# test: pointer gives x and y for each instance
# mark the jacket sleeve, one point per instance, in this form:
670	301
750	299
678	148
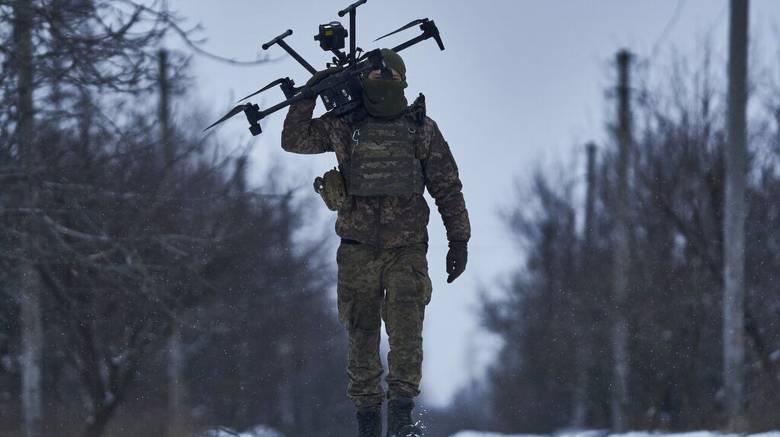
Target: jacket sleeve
304	134
443	183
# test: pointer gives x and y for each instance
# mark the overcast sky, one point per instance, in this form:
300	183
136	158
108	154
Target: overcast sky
520	84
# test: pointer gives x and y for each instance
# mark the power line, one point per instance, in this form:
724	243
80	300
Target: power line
673	19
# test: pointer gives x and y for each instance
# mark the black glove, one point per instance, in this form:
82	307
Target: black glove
456	259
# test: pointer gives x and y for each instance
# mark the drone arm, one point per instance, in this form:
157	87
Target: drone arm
254	114
410	43
280	40
352	35
297	57
352	11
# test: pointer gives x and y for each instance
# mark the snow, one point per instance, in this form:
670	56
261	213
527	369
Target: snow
693	434
605	434
490	434
265	431
258	431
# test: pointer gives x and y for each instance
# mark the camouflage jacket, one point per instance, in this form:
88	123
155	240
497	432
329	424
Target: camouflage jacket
384	221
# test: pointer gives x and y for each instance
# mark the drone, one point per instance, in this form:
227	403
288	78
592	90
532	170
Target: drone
341	91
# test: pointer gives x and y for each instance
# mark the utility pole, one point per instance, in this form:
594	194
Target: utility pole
176	387
620	252
30	282
169	152
734	218
590	196
584	323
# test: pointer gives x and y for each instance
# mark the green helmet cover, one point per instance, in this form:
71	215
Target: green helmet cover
385	98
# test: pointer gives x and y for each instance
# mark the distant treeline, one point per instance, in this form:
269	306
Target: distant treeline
554	318
145	288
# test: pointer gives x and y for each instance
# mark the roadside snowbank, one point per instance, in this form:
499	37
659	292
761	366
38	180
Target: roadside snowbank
489	434
258	431
628	434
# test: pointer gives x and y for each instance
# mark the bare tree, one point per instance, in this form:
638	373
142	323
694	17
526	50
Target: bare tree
675	309
78	45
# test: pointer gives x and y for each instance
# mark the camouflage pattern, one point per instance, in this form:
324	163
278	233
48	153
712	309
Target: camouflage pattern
331	188
383	271
385	221
383	159
392	284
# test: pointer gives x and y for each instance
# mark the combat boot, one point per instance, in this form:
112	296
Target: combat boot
399	418
369	422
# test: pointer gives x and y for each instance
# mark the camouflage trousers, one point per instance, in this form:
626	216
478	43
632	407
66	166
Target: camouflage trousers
392	284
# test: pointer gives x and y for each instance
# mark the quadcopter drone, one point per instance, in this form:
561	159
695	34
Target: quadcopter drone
341	91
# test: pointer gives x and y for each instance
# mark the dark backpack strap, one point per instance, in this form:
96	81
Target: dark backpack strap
415	115
416	111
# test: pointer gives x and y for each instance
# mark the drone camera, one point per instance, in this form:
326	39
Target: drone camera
331	36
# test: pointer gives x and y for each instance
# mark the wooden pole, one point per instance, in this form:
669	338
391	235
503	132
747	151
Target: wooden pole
734	218
30	283
169	152
620	252
583	301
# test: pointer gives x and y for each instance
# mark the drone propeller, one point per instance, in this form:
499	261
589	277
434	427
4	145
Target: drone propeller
270	85
237	110
412	24
287	88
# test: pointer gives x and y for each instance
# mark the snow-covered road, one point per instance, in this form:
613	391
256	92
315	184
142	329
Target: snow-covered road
604	434
263	431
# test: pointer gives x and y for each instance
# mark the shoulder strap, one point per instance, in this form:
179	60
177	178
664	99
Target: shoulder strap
416	111
415	116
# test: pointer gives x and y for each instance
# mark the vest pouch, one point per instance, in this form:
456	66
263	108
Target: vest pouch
331	189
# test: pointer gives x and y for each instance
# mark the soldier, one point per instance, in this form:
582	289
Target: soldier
387	159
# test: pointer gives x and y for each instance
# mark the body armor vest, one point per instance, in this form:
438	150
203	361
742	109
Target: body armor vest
383	158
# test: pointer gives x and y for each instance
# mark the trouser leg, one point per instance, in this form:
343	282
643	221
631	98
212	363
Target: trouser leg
359	301
408	291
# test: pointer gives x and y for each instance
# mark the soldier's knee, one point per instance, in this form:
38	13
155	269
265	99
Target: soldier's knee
359	311
366	319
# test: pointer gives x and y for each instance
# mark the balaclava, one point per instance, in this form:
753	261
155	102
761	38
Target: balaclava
385	97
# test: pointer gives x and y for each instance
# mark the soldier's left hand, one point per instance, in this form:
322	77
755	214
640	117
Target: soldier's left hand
456	259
